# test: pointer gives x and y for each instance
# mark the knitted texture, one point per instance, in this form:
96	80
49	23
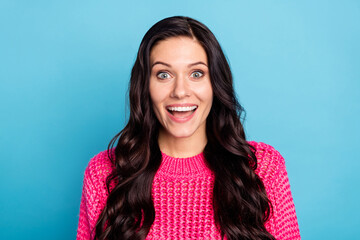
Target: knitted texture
182	195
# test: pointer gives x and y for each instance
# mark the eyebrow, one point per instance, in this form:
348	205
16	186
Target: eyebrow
168	65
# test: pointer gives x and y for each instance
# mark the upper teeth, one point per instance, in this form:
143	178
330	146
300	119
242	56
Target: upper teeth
182	109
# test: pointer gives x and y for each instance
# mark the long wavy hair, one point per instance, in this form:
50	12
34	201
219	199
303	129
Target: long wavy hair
240	203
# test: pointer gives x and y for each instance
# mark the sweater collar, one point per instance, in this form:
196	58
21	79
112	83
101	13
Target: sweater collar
189	166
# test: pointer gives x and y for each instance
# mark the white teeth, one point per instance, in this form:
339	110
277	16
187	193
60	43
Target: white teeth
182	109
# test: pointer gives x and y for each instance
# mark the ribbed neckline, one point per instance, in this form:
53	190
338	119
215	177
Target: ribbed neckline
183	166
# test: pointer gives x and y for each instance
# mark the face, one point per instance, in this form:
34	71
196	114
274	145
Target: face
180	87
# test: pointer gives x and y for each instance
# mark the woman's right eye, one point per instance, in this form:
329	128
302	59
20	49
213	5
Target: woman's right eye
163	75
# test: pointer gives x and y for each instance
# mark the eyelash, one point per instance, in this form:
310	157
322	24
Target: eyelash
159	73
196	71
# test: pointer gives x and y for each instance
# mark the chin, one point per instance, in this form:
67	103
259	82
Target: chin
181	134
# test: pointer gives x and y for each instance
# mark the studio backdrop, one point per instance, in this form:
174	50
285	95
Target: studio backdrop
64	72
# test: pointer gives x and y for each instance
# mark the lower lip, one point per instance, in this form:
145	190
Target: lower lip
180	120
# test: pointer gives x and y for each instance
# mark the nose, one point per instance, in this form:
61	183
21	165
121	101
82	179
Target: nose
180	88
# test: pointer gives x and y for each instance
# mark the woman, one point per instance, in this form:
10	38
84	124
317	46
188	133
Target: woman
182	168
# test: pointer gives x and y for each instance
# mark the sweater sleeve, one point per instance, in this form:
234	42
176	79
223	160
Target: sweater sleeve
283	220
94	195
282	223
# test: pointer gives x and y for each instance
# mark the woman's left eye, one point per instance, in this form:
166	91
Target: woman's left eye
197	74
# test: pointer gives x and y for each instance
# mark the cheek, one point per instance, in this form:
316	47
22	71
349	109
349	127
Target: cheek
153	93
156	110
205	93
156	98
154	88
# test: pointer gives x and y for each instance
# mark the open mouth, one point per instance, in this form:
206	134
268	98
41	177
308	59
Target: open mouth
181	112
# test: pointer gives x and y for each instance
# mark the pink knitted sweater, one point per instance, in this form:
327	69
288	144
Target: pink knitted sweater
182	195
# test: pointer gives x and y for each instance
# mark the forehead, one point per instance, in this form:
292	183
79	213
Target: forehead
178	50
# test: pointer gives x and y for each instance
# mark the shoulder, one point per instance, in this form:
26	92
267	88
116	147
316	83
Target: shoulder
94	193
100	166
269	161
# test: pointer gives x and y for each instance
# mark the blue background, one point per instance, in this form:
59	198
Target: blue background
64	70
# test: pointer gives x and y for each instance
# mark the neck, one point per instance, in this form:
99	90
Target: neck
181	147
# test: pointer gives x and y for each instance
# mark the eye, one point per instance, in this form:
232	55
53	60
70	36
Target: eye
197	74
163	75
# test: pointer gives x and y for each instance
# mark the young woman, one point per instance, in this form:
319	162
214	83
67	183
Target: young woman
182	168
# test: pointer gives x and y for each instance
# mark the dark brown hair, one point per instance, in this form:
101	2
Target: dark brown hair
241	206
